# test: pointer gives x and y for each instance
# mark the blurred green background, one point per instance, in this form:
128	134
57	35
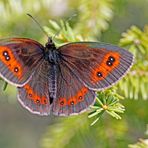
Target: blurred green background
101	20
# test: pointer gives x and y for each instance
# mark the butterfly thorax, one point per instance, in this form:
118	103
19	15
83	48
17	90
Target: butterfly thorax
51	54
53	57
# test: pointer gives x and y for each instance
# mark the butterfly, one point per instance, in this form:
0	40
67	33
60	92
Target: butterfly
62	81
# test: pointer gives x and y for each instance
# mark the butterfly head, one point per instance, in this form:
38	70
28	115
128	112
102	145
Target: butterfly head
50	45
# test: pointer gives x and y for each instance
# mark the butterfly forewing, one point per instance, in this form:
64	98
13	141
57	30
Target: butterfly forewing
19	57
97	65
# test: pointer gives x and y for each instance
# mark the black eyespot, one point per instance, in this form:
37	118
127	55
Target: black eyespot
109	63
5	53
37	101
30	95
16	69
45	101
72	102
62	103
99	74
7	58
111	59
80	97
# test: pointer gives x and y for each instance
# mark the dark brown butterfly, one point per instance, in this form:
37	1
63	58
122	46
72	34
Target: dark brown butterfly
61	80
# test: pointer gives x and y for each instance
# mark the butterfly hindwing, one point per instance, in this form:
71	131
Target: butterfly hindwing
72	96
35	95
19	57
97	65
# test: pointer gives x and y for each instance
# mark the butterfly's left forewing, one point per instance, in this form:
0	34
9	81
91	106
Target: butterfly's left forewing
97	65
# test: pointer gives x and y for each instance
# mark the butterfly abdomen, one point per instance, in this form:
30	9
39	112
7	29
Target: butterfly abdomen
52	83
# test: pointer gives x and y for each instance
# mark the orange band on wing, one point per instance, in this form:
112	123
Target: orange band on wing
34	96
74	99
110	61
7	57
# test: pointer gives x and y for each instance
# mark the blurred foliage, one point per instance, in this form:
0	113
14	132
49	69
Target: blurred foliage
146	130
62	33
70	21
143	143
91	14
137	42
102	13
73	124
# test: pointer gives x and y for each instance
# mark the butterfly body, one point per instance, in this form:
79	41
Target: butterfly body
61	80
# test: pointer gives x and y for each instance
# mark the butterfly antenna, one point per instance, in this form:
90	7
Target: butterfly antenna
68	19
38	24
